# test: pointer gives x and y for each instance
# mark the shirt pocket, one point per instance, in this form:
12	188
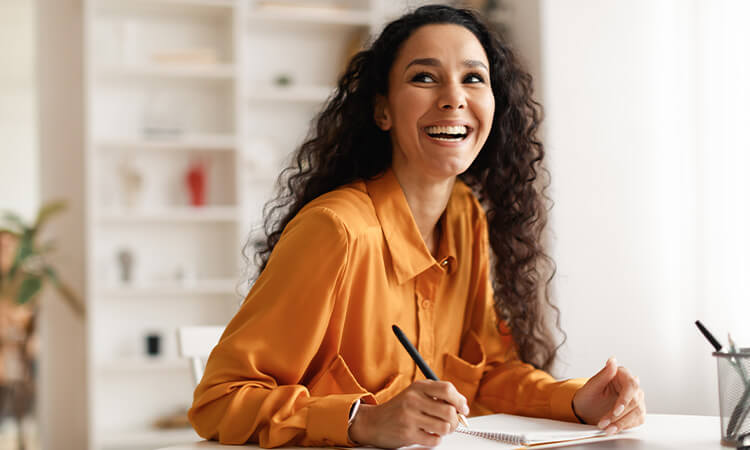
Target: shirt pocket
465	371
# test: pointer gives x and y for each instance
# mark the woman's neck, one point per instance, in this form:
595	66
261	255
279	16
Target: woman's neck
427	200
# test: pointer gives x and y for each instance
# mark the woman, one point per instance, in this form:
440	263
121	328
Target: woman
414	202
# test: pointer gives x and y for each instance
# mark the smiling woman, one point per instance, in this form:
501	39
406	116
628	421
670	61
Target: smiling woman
415	202
439	112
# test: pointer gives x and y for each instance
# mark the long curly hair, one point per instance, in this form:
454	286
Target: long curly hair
344	144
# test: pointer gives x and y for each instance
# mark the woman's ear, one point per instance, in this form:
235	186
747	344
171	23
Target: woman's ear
381	115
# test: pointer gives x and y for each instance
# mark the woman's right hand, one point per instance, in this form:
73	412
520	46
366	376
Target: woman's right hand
420	415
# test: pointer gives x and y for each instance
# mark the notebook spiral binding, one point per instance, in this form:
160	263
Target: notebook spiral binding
507	438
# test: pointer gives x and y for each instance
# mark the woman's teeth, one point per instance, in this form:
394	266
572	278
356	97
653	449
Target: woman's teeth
449	134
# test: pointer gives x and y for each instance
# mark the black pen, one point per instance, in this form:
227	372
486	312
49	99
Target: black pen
708	335
428	373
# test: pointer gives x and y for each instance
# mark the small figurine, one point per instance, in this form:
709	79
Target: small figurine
125	260
132	183
283	80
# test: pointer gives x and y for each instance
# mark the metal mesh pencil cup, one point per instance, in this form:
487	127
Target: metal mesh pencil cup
733	369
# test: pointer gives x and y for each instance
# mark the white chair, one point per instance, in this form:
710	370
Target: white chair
196	343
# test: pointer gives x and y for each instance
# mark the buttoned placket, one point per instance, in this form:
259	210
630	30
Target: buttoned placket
426	288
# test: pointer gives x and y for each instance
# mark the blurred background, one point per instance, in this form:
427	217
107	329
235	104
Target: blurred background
162	124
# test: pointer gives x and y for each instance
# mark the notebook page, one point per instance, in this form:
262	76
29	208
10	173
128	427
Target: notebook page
532	430
460	441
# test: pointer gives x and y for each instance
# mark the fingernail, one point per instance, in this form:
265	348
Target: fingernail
465	410
619	410
603	424
611	430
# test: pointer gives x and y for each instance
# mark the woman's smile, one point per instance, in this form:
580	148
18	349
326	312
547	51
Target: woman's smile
448	133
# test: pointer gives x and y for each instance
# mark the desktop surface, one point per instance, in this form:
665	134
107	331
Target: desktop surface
660	432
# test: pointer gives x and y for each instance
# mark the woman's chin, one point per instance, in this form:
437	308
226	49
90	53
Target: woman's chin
448	170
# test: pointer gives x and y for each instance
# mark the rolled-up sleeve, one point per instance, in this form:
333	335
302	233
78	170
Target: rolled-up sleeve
252	387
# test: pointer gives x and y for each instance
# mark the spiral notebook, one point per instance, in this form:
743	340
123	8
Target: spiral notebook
521	432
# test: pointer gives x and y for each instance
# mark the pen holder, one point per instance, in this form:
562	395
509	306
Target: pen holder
734	395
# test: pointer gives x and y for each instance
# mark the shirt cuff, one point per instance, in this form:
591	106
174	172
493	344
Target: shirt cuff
328	419
561	402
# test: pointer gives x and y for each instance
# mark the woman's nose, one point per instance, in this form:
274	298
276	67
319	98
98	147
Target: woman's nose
452	97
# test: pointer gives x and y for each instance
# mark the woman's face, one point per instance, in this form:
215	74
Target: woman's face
440	105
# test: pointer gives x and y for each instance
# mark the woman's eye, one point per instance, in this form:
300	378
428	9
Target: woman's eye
474	78
423	77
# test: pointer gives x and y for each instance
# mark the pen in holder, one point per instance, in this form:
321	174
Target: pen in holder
733	369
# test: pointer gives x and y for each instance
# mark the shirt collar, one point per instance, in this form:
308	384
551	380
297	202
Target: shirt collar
409	253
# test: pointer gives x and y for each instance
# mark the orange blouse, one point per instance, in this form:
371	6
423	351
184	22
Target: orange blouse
314	334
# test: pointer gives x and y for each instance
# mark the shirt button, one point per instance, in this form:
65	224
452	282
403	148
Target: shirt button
444	263
426	303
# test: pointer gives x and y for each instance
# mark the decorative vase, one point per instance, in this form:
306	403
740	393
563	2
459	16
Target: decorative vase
196	183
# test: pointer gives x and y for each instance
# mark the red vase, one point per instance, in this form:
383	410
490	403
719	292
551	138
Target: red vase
196	183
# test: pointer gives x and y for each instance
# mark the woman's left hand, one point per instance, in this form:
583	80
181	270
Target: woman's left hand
612	399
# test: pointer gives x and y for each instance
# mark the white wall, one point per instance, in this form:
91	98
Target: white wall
637	209
722	47
18	153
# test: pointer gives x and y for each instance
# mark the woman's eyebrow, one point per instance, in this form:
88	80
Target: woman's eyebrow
423	62
436	63
475	63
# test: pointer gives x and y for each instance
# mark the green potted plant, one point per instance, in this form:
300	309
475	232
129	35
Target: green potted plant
24	271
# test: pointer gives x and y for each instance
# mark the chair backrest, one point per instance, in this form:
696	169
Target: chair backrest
196	343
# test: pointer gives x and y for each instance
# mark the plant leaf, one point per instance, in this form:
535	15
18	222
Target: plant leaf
29	287
50	272
10	231
47	211
14	219
13	223
65	291
24	251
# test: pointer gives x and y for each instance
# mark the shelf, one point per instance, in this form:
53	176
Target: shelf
172	288
182	71
311	15
185	214
209	8
306	94
127	365
183	143
153	438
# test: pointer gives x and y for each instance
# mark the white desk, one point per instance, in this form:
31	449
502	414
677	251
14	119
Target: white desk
660	432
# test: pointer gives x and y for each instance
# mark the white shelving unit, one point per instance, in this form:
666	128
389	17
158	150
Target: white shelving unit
172	84
163	96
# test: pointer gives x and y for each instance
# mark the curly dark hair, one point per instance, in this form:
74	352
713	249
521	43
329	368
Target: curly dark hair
345	145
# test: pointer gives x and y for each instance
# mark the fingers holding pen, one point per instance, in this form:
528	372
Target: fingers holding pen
420	414
445	392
